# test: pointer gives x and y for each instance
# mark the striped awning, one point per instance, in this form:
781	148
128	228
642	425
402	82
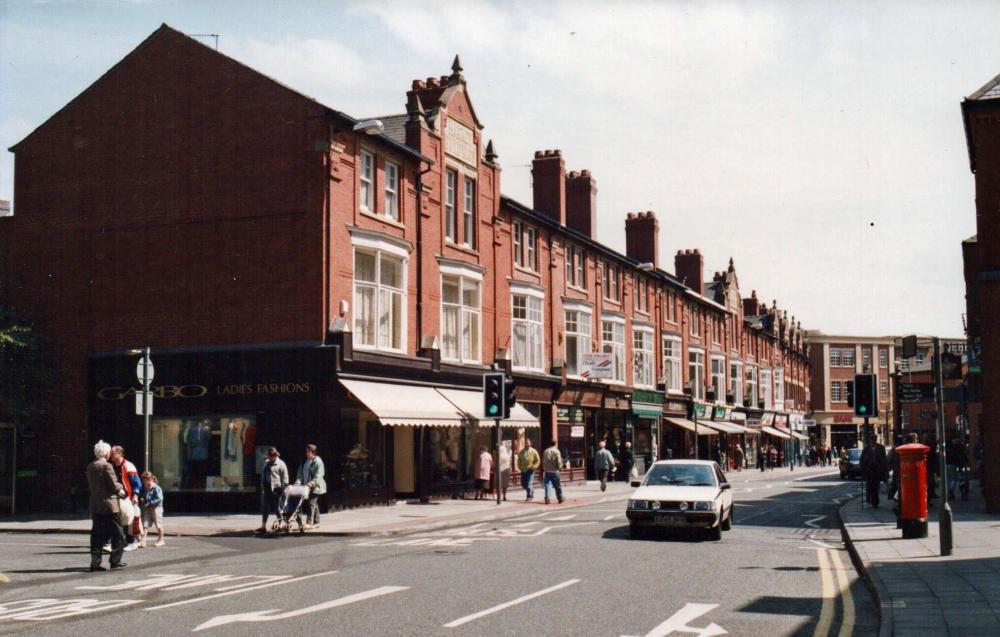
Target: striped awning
775	432
683	423
471	404
399	405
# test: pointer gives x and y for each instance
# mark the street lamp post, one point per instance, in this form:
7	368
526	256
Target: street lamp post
944	515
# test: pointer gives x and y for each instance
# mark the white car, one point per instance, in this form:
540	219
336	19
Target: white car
682	494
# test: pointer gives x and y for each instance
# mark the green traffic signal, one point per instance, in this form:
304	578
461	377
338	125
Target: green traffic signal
493	410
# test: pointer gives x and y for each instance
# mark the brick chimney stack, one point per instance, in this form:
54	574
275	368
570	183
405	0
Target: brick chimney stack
581	203
548	174
642	237
690	268
751	306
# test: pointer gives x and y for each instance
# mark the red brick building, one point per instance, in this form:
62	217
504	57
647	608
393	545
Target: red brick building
981	115
301	275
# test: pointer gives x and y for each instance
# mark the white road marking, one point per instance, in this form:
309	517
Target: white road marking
269	616
523	525
242	589
812	522
50	608
612	516
827	609
818	543
678	623
847	624
170	582
563	518
3	578
514	602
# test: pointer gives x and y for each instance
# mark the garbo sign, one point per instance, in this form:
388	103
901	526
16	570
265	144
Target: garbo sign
198	391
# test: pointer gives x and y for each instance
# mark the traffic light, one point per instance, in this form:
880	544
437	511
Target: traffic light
493	386
865	395
849	392
509	386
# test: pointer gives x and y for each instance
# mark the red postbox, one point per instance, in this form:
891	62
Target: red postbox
913	489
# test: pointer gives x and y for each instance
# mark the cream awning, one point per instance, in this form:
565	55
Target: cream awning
737	428
405	405
775	432
683	423
470	403
725	427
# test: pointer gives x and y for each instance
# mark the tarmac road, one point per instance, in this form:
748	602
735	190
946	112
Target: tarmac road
781	571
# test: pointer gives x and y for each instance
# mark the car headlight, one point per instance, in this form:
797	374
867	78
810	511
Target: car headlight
638	504
703	506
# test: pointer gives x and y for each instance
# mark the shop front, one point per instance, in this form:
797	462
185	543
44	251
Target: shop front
647	409
676	430
613	425
576	415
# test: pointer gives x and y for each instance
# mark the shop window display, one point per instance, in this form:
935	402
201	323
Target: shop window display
446	454
361	464
215	453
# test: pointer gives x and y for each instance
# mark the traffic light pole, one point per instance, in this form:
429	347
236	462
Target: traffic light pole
498	469
146	400
944	514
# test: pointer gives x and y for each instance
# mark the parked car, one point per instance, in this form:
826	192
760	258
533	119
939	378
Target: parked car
850	467
676	494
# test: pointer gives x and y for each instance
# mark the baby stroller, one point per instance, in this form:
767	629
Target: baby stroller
290	508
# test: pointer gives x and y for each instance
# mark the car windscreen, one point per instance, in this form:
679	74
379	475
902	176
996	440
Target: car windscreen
687	475
854	455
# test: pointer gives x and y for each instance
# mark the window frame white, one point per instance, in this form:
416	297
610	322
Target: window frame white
718	377
834	357
673	381
366	181
766	387
466	315
531	248
399	329
517	230
883	358
450	205
836	395
391	191
736	380
696	372
534	329
779	388
752	384
469	212
614	345
643	362
580	335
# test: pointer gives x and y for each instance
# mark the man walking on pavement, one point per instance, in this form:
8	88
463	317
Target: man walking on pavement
104	494
551	464
874	467
604	464
627	461
527	462
312	473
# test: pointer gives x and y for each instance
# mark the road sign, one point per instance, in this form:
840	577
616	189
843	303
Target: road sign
597	365
916	392
139	369
139	411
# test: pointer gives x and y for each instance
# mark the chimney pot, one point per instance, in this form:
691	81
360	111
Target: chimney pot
642	237
539	154
690	268
549	185
416	85
443	79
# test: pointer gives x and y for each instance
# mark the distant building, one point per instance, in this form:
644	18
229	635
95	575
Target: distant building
981	116
834	360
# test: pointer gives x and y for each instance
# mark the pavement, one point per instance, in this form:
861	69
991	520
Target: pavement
394	519
919	591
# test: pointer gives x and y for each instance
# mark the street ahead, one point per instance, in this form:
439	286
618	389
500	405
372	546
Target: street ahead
780	571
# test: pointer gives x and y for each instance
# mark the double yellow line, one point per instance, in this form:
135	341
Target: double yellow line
830	565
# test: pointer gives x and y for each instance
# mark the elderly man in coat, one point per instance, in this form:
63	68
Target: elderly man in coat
312	473
105	491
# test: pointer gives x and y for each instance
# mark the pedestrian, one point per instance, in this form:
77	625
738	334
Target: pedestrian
151	506
481	472
772	455
626	462
892	460
312	473
874	467
105	493
604	464
762	457
738	457
503	459
273	480
551	464
133	485
527	463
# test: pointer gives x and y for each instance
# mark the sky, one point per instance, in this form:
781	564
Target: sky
817	144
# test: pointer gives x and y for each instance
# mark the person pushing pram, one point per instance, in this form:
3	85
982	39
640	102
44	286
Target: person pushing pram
312	475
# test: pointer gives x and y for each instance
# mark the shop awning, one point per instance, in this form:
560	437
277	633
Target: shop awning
647	410
727	427
683	423
405	405
799	435
708	428
737	428
775	432
470	403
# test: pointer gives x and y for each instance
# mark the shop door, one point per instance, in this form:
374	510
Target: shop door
8	456
403	475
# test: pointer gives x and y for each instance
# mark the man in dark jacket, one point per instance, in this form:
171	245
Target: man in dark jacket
104	494
874	467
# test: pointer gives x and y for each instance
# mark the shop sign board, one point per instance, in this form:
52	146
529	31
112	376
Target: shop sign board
648	397
675	406
767	419
843	418
576	431
139	410
719	413
916	392
701	410
597	365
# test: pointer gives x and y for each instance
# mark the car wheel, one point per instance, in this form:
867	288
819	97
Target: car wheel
727	523
715	533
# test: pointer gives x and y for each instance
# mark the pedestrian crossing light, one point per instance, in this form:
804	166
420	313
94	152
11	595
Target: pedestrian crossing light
493	386
509	388
865	396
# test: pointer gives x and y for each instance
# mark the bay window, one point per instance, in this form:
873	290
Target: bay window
460	318
765	388
751	394
578	339
672	378
719	378
642	356
736	381
527	329
779	388
613	342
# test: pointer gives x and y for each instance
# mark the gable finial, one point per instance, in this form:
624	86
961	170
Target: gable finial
491	154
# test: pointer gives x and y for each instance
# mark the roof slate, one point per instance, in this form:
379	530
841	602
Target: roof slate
988	91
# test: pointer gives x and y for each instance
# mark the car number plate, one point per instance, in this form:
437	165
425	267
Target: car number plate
670	520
